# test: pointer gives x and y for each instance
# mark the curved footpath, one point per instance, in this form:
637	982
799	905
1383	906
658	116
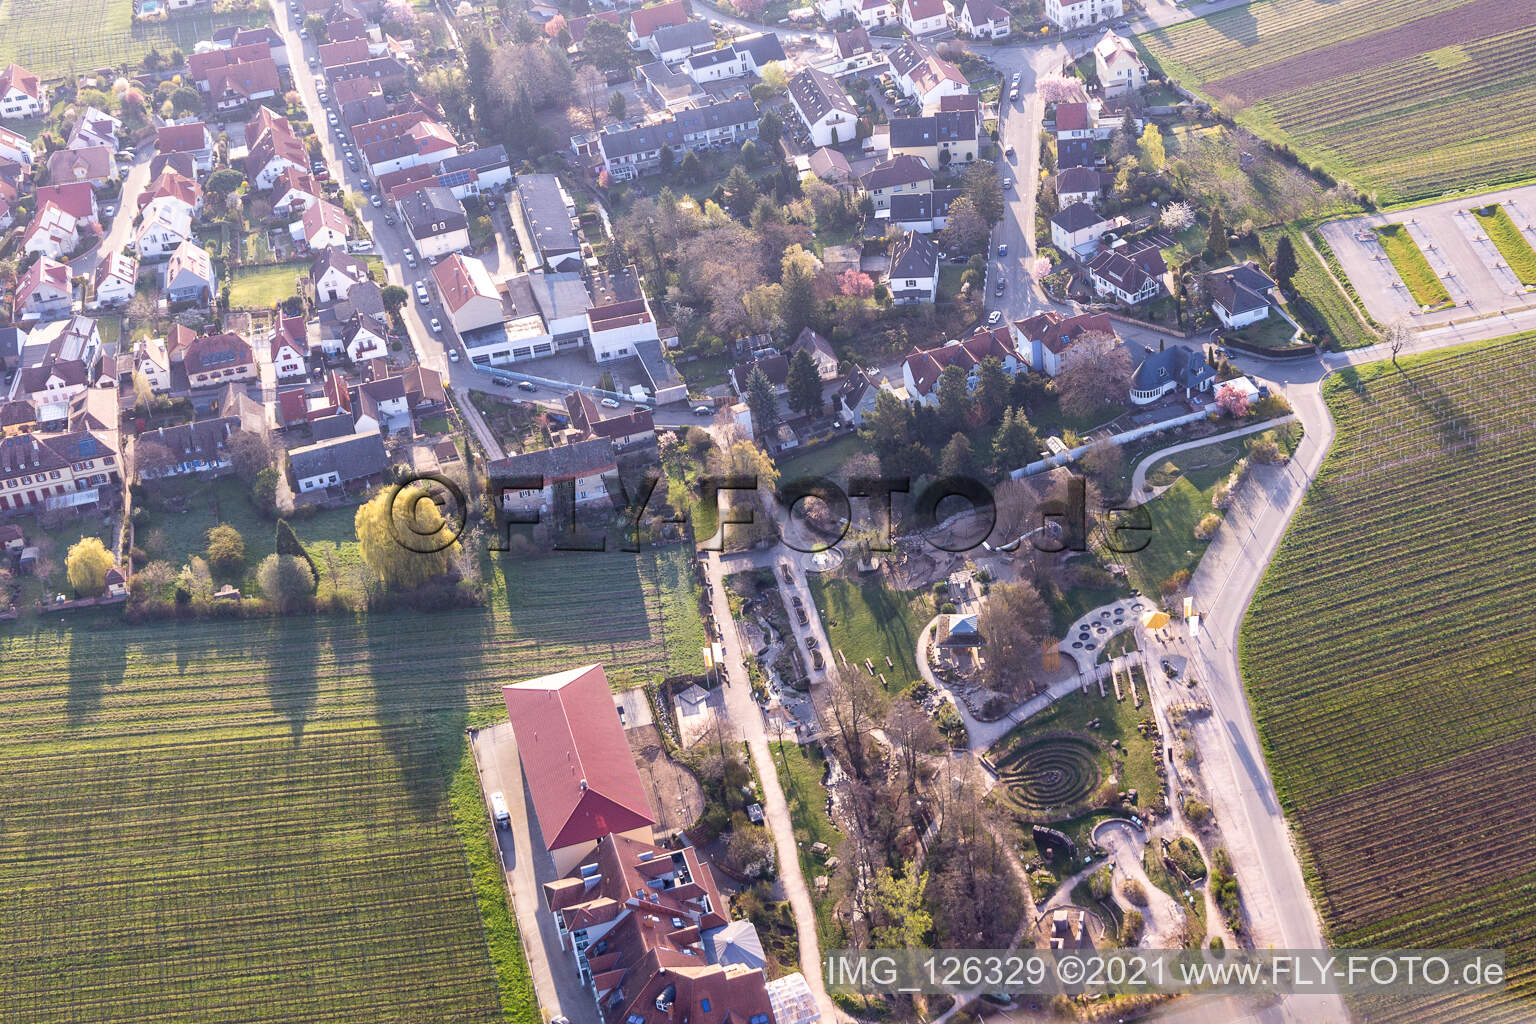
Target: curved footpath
1139	494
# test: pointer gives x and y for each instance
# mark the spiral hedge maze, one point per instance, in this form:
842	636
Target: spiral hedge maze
1051	776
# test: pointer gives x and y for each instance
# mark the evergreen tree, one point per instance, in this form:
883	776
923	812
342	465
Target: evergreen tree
692	168
992	385
1216	240
797	300
1015	444
665	159
761	400
954	397
1285	261
957	459
804	385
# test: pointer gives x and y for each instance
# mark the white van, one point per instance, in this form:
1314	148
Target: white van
499	811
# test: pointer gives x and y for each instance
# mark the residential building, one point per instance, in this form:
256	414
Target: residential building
827	112
923	212
1119	66
44	291
548	481
52	232
757	50
202	65
900	175
545	218
1073	121
1067	14
95	127
189	275
856	397
199	448
469	295
173	185
380	405
1078	185
289	347
390	73
1045	338
1169	370
272	147
938	140
981	19
673	43
645	22
424	143
774	366
1130	274
212	360
14	148
323	225
114	281
914	270
1076	229
852	53
333	273
619	319
52	470
96	165
921	369
344	461
517	330
576	760
831	167
21	93
356	326
436	221
1240	295
625	428
233	86
294	191
924	76
152	358
868	13
820	351
627	152
924	17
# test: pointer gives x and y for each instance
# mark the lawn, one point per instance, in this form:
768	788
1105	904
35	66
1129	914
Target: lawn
1403	97
682	625
800	773
825	459
48	37
871	621
1512	245
1389	675
1423	284
269	818
265	287
1323	306
1274	331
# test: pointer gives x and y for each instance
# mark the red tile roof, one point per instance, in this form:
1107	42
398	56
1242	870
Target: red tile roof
1071	117
181	138
17	77
648	19
74	197
577	761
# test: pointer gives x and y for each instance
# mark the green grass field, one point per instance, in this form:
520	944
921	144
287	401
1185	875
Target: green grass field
1323	307
267	820
1403	97
867	620
1511	243
1387	653
1418	276
799	770
48	37
265	287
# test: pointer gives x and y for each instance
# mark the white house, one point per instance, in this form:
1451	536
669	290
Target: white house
914	270
435	220
1078	185
1129	276
852	54
921	369
114	279
824	108
323	226
189	275
856	397
1078	228
579	470
924	76
95	128
616	329
290	343
44	291
21	94
294	192
922	17
1240	295
1077	13
981	19
14	148
167	222
362	339
337	461
192	138
333	273
151	359
1119	66
1043	340
53	232
468	293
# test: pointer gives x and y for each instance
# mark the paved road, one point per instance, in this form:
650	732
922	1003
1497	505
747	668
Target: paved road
748	718
527	866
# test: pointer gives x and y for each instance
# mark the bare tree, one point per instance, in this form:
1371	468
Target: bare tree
914	734
1399	334
854	700
592	87
1013	619
1095	372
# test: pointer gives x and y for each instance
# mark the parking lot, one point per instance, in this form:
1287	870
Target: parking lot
1457	249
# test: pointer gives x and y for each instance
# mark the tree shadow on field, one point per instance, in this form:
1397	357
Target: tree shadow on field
292	656
1456	427
418	663
98	658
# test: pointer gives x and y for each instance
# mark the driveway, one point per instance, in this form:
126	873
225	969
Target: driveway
526	867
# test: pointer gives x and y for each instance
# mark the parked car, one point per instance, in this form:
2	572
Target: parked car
1007	184
421	292
999	288
994	318
789	577
110	210
1010	152
609	403
374	200
389	218
437	326
499	811
453	355
526	385
366	185
410	260
958	257
702	410
1002	249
